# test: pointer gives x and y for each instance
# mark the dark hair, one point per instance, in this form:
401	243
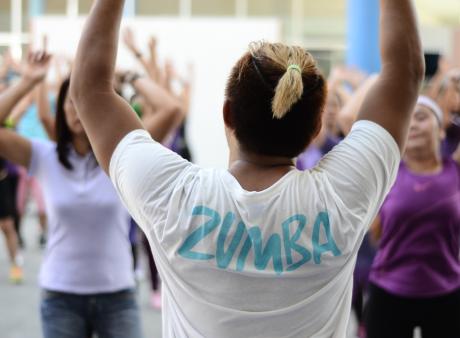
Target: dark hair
63	134
276	97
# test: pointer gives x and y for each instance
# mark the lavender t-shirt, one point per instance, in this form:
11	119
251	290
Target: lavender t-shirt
88	249
419	249
310	157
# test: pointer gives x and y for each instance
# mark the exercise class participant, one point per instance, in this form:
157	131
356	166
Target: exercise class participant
260	249
86	275
415	277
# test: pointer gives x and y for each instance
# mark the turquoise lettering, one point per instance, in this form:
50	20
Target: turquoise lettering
296	254
319	249
225	257
290	243
243	254
261	255
200	233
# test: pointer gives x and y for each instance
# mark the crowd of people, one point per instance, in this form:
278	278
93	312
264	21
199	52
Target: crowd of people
341	193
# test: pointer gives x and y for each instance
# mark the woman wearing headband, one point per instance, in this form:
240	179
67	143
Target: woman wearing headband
260	249
415	277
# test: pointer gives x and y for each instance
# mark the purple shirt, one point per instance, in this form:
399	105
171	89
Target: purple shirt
450	143
419	249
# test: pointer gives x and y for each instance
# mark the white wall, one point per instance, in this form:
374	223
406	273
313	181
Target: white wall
212	45
437	39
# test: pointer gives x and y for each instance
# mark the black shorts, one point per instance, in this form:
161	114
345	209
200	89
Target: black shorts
7	195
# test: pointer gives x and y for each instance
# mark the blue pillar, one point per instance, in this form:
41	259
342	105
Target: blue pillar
36	7
130	8
363	35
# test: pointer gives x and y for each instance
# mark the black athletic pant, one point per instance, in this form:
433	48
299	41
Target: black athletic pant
388	315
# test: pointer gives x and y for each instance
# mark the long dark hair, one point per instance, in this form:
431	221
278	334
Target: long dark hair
63	134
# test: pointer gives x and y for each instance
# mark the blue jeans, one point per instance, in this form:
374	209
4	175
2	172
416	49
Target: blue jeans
111	315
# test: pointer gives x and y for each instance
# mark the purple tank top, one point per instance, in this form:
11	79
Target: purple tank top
450	143
419	249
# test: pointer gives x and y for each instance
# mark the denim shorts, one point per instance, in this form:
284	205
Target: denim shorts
109	315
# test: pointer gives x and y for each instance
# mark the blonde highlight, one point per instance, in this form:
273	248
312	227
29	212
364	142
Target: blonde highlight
296	62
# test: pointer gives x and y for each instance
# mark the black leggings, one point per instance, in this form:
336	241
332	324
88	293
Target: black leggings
388	315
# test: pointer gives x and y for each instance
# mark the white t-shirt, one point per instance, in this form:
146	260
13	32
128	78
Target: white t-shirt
276	263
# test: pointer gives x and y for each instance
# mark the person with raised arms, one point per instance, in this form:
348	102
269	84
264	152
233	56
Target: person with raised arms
260	249
415	277
86	277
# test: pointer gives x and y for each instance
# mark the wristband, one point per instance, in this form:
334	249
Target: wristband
9	123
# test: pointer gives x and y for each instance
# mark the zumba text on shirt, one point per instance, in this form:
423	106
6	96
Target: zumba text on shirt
252	240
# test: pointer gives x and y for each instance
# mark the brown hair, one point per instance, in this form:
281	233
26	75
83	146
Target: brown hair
63	134
276	95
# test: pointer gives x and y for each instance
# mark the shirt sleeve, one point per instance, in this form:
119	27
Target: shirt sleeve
362	169
40	157
146	175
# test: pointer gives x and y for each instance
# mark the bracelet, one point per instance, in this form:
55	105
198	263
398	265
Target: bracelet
9	123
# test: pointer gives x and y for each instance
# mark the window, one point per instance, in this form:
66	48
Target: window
55	7
5	16
84	6
213	7
25	16
269	8
318	9
149	7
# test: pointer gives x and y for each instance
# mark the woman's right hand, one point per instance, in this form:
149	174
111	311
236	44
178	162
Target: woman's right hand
13	147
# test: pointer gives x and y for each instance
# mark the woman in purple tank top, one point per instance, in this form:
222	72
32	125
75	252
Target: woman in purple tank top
415	278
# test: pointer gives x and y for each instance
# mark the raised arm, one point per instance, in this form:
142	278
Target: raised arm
130	43
12	146
44	110
168	110
349	112
391	100
19	110
106	117
33	72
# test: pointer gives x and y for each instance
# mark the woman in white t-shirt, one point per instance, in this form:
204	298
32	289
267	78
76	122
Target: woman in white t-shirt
260	249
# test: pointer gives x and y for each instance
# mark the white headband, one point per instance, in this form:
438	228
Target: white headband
433	106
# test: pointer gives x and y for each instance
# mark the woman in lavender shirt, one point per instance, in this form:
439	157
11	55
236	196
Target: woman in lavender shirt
416	273
86	276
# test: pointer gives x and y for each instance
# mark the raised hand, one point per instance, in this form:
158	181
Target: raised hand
153	47
130	42
10	62
36	66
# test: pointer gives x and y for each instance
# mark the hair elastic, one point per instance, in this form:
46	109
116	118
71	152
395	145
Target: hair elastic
295	67
9	123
